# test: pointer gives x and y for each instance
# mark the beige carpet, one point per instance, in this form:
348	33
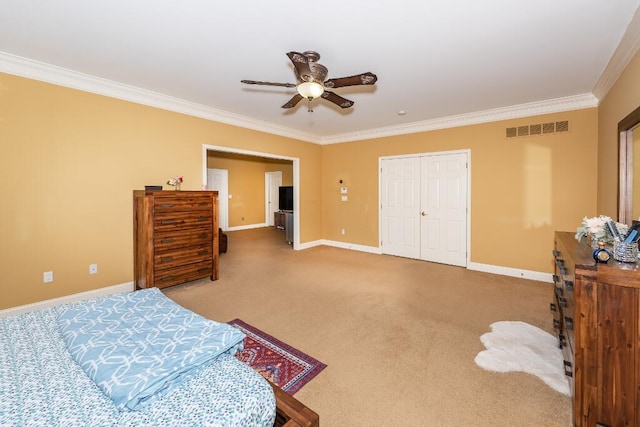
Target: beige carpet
399	336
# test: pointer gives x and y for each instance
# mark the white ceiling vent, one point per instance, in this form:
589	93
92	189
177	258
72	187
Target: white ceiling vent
538	129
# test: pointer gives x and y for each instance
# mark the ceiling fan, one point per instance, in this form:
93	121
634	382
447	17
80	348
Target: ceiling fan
311	81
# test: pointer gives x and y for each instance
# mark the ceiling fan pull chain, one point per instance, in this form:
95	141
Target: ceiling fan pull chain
309	109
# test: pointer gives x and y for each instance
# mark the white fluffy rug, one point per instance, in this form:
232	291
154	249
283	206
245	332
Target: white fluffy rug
519	346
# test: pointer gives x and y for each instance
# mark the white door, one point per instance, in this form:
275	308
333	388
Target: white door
400	202
218	180
424	207
443	199
273	181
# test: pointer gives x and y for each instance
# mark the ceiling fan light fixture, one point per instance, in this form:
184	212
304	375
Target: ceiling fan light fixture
310	90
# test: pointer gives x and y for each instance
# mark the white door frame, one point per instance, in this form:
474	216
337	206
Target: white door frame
468	219
296	179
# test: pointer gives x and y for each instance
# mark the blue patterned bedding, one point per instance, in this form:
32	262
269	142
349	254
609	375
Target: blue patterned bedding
139	345
41	384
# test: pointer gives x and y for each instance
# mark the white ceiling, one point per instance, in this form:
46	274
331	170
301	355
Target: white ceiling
442	62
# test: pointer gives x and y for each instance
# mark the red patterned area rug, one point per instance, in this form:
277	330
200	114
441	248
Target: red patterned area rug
278	362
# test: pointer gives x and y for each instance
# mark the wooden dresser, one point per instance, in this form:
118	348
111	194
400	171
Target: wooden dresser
175	237
597	318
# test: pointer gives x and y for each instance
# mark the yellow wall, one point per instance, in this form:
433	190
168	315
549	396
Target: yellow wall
246	176
522	189
70	160
622	99
69	163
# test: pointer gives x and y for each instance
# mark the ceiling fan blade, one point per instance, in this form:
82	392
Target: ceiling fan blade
337	99
253	82
301	64
293	101
367	78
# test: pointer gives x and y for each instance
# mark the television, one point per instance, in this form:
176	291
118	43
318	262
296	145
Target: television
285	198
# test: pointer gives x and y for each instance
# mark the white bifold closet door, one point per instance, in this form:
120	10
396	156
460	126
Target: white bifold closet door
424	207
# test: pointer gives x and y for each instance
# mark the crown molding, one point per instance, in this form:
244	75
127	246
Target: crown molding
41	71
556	105
624	53
24	67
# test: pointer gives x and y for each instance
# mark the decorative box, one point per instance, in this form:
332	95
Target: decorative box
625	252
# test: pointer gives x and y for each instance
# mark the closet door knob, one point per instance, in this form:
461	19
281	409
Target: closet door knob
423	213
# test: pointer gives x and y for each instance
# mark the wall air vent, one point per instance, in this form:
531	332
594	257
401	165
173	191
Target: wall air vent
523	130
562	126
538	129
535	130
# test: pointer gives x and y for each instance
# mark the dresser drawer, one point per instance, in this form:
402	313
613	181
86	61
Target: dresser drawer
563	309
176	203
173	258
182	220
177	239
183	273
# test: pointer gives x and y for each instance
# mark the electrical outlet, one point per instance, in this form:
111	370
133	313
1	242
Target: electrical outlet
93	269
47	276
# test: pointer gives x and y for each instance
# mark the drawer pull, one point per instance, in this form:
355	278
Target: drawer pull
560	263
556	278
167	221
556	253
166	259
203	270
166	205
562	340
167	278
568	369
556	324
203	218
203	203
569	285
203	235
562	270
568	321
563	301
167	240
553	307
202	252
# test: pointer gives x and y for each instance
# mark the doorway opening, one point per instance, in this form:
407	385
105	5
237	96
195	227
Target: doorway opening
207	149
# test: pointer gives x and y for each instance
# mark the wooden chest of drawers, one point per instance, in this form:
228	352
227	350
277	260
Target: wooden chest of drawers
175	237
596	311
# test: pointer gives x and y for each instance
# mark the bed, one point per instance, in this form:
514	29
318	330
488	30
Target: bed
49	375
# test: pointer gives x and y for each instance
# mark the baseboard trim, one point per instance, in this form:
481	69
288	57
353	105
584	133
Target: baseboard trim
347	245
309	245
128	287
487	268
247	227
512	272
109	290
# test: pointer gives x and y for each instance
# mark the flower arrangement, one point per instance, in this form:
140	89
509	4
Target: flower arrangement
597	228
176	181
